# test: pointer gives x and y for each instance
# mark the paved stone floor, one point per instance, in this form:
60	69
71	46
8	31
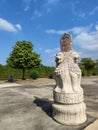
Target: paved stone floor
27	105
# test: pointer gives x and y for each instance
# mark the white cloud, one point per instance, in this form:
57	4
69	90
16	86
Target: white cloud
82	15
48	10
50	31
77	30
26	8
85	38
48	51
73	8
50	4
39	26
80	29
96	27
74	5
45	7
36	14
9	27
53	31
74	30
27	4
6	26
52	1
52	51
40	49
51	56
94	11
57	49
18	26
87	41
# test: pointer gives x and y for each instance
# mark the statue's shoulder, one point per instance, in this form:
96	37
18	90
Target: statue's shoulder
74	54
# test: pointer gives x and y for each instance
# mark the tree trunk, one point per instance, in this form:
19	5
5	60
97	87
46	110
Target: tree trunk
88	73
23	78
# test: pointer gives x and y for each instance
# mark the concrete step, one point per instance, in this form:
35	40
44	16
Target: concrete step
93	126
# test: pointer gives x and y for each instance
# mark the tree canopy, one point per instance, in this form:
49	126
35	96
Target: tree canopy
88	64
22	56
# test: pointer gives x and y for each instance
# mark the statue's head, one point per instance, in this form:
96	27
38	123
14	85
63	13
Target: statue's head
60	57
66	43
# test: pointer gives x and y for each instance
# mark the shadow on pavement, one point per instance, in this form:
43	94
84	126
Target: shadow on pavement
45	104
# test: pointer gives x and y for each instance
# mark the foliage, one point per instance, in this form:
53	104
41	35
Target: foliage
88	64
45	71
6	71
96	66
84	72
51	76
34	74
22	56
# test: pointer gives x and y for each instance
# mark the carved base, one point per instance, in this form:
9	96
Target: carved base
69	114
68	98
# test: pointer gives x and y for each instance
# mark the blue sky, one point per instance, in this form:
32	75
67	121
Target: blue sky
43	22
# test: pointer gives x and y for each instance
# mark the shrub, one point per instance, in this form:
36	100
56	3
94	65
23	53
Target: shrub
84	73
94	73
51	76
34	74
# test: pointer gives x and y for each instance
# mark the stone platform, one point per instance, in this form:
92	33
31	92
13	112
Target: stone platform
28	106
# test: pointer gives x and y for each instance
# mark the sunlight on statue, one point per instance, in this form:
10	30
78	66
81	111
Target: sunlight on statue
68	95
67	73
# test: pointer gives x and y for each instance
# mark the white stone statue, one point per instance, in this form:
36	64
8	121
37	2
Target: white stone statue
68	89
67	73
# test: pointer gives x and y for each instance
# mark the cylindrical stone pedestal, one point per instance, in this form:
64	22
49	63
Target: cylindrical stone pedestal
68	98
69	114
69	108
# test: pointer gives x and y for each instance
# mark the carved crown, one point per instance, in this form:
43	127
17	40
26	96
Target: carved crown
66	43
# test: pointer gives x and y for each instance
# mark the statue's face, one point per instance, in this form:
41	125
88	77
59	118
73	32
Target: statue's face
59	57
66	43
65	47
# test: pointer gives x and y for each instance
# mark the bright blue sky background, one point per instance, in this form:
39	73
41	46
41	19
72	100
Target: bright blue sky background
43	22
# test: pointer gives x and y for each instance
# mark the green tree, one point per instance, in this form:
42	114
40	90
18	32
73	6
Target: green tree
96	66
22	57
88	64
